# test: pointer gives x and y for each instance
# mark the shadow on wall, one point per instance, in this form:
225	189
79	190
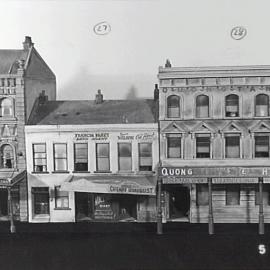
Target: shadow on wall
83	85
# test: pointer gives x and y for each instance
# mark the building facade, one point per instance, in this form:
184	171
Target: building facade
92	161
23	76
215	126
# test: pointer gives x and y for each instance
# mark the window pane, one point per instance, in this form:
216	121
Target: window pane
124	149
7	156
232	106
60	150
60	165
202	106
232	146
174	147
202	194
103	164
173	106
81	157
103	160
41	200
262	105
40	158
203	147
102	149
125	163
6	107
261	146
145	156
232	194
61	198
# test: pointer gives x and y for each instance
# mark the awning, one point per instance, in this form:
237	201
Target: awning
8	181
115	184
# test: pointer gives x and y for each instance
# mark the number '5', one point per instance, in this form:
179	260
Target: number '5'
262	249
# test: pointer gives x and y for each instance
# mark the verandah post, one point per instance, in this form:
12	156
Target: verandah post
210	204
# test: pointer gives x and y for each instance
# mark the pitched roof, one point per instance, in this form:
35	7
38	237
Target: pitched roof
9	58
79	112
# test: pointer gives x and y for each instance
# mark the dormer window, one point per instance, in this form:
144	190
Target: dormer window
262	105
232	106
6	107
173	106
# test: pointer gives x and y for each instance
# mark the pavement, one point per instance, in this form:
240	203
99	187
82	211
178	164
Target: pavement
117	246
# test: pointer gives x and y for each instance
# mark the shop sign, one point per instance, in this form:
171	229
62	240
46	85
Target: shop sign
132	189
101	136
234	180
178	180
146	136
223	172
4	183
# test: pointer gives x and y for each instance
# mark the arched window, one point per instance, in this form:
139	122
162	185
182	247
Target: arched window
202	106
7	156
232	106
262	105
173	106
6	107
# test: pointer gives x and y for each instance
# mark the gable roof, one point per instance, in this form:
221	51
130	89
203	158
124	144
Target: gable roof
9	58
79	112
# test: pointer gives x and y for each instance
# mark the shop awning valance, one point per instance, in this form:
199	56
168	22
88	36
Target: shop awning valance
115	184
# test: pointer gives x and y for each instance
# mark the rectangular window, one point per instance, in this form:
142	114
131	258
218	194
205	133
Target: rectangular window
60	156
61	198
202	194
41	200
262	146
232	146
103	157
173	146
265	195
145	156
81	157
39	157
203	146
124	157
233	194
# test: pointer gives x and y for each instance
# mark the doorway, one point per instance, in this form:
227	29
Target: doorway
3	203
83	206
179	203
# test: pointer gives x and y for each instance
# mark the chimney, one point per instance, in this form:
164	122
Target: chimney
99	97
156	93
168	64
42	99
27	44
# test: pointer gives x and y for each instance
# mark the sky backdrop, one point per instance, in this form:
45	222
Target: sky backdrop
143	35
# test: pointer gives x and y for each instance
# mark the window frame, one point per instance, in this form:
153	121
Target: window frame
255	105
80	157
124	157
238	106
34	159
3	158
169	114
174	136
196	106
231	189
257	135
231	135
60	158
10	108
58	196
41	191
107	157
141	157
203	135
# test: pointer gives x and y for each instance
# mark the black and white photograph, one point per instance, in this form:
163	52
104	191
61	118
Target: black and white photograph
135	135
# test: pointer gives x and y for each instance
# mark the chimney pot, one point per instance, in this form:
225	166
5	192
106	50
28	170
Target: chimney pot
27	44
168	64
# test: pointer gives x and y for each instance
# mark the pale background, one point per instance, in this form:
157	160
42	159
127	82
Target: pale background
144	34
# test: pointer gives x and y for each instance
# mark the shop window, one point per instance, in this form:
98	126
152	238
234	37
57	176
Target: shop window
232	106
145	156
173	106
202	146
202	194
103	157
124	157
265	195
202	106
39	157
60	157
7	156
173	146
232	146
6	107
261	146
81	157
40	200
233	194
61	198
262	105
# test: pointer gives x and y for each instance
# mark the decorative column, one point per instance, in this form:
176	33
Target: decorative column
159	210
12	226
210	204
261	215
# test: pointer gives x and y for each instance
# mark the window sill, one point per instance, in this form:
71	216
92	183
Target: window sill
39	172
102	172
80	171
60	172
62	208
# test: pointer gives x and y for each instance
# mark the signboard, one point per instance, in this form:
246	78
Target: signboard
181	180
100	136
132	189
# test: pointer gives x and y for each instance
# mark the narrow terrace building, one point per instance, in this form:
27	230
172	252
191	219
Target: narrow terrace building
92	160
215	129
23	76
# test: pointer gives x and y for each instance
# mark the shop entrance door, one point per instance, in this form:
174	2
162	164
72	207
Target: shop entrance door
127	207
83	206
3	204
179	203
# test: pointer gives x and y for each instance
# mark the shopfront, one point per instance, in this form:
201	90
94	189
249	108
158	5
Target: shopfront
217	194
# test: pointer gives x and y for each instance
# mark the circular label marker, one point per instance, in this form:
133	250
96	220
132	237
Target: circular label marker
102	28
238	32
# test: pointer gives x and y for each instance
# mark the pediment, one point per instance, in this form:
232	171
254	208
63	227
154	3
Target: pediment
203	128
232	127
260	127
175	128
